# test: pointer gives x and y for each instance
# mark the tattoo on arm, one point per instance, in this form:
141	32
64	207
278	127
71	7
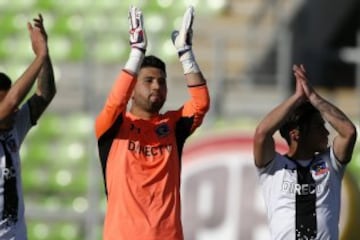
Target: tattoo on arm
46	82
327	108
37	106
46	90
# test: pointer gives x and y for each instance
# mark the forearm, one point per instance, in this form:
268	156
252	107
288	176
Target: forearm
273	121
195	79
333	115
196	83
23	85
200	99
134	61
264	145
46	83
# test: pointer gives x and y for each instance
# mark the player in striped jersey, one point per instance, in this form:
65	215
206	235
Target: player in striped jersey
15	122
302	188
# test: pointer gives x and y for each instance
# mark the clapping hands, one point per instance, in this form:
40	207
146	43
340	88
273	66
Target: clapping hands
38	36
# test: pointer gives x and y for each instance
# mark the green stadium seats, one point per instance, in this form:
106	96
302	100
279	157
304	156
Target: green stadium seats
54	230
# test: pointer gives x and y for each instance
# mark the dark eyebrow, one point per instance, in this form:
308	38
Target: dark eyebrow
148	77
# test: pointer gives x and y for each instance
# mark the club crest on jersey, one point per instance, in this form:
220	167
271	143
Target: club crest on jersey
320	168
162	130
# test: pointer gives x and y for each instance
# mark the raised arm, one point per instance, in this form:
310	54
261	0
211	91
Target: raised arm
122	89
264	145
46	88
182	40
23	84
345	139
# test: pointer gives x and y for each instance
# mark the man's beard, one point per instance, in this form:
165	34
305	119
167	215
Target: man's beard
155	107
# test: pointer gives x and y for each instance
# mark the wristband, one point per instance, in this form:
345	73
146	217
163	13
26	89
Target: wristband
189	63
135	59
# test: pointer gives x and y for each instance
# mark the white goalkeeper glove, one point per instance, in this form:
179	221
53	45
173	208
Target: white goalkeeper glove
182	40
138	41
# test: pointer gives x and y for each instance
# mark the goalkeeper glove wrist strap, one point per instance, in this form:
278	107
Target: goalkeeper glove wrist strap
135	60
189	63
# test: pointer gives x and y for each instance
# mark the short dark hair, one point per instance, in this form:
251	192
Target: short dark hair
5	82
299	119
153	61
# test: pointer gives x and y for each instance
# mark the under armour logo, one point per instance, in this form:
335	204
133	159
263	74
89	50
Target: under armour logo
134	128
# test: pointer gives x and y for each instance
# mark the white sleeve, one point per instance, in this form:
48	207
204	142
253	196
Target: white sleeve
270	167
335	163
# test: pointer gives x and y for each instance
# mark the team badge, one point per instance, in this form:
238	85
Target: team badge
162	130
320	168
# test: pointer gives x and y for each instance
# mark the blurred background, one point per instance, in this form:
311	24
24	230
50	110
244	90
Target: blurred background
245	49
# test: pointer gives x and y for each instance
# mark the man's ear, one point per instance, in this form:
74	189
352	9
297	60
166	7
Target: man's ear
294	135
133	91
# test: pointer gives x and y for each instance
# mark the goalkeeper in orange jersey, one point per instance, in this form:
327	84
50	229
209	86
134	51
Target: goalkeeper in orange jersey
140	149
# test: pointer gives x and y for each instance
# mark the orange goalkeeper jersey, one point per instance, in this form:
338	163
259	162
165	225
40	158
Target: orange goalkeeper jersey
141	161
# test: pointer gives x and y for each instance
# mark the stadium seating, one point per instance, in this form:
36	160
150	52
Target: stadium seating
55	163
